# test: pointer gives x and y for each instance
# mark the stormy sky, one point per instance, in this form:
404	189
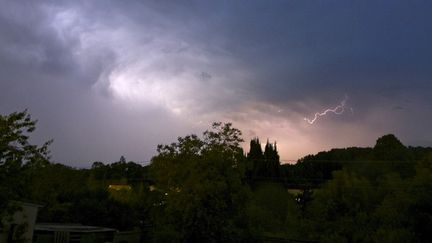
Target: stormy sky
112	78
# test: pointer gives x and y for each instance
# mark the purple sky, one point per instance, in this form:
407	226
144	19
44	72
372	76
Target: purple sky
112	78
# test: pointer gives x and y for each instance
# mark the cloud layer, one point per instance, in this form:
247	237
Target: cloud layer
111	78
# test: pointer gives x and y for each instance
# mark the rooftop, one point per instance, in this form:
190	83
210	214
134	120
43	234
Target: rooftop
71	228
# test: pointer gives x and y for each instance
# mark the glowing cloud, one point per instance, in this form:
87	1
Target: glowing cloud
338	110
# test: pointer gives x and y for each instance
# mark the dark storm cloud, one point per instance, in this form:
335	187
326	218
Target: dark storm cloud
41	69
305	47
102	75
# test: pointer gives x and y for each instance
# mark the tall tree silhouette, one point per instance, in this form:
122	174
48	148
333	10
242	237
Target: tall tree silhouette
271	158
255	159
263	165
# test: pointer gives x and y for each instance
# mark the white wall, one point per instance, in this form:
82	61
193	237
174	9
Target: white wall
27	217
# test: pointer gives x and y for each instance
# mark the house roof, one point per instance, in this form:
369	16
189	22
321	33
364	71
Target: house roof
119	187
71	228
28	204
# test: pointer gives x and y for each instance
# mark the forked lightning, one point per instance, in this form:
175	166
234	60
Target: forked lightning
338	110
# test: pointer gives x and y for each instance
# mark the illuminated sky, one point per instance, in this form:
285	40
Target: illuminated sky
112	78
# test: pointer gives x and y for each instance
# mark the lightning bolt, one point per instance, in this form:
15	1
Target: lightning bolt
338	110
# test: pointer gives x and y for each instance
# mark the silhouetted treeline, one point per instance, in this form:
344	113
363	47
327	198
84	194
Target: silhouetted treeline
207	189
119	172
389	154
